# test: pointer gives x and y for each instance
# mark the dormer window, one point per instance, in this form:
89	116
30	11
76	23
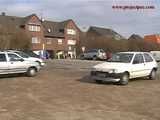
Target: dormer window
49	30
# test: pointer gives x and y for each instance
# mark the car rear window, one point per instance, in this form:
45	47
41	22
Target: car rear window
3	58
147	57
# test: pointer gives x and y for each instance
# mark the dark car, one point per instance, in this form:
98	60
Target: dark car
31	53
94	54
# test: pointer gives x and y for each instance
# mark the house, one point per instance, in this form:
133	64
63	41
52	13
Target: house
98	37
61	37
104	32
135	37
153	38
30	24
55	37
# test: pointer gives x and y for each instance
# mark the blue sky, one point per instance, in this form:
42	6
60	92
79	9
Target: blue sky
92	13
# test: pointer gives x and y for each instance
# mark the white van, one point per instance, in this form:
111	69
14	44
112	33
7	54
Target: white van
156	55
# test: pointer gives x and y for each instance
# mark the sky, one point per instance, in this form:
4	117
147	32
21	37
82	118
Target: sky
87	13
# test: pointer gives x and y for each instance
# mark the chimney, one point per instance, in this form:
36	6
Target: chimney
3	14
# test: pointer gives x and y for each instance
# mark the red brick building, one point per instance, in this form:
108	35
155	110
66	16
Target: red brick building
55	37
61	37
152	38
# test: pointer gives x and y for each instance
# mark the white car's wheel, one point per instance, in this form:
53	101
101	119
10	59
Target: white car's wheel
153	74
124	79
31	72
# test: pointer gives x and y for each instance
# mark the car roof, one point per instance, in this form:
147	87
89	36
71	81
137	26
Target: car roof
7	51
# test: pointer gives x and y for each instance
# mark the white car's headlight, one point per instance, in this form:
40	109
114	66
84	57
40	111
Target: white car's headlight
113	71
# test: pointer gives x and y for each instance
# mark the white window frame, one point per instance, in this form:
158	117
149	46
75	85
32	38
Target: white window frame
71	32
60	41
35	40
71	42
34	28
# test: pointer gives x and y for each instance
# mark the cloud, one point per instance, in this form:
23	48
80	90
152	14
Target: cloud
92	12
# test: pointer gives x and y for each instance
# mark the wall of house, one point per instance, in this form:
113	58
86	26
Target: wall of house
152	38
54	43
34	20
71	39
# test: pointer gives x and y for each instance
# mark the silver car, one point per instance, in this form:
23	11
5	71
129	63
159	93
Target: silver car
94	54
11	63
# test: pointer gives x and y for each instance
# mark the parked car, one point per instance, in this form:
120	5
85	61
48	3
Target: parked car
125	65
156	55
11	63
31	53
29	58
42	53
94	54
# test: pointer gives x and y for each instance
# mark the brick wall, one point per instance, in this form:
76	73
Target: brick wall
152	38
34	20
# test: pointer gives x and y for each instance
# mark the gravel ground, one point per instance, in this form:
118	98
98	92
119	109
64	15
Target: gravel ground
63	91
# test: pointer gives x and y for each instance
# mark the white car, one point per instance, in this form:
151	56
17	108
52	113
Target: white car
125	65
29	58
11	63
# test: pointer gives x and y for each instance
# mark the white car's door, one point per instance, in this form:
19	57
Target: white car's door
138	66
4	67
16	64
149	63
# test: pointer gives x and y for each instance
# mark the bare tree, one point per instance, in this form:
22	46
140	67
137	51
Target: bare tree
20	40
134	43
12	37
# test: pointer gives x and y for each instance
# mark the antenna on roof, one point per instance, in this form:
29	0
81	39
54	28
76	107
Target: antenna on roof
41	16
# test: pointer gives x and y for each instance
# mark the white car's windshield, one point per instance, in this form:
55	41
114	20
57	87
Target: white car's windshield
22	54
121	57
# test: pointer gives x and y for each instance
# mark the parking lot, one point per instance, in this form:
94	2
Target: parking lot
63	91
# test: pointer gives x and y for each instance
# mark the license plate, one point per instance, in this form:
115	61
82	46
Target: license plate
101	75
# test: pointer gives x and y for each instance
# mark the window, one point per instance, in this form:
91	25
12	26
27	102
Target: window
13	57
60	41
3	58
121	57
138	59
71	42
23	55
71	32
35	40
147	57
70	48
34	28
